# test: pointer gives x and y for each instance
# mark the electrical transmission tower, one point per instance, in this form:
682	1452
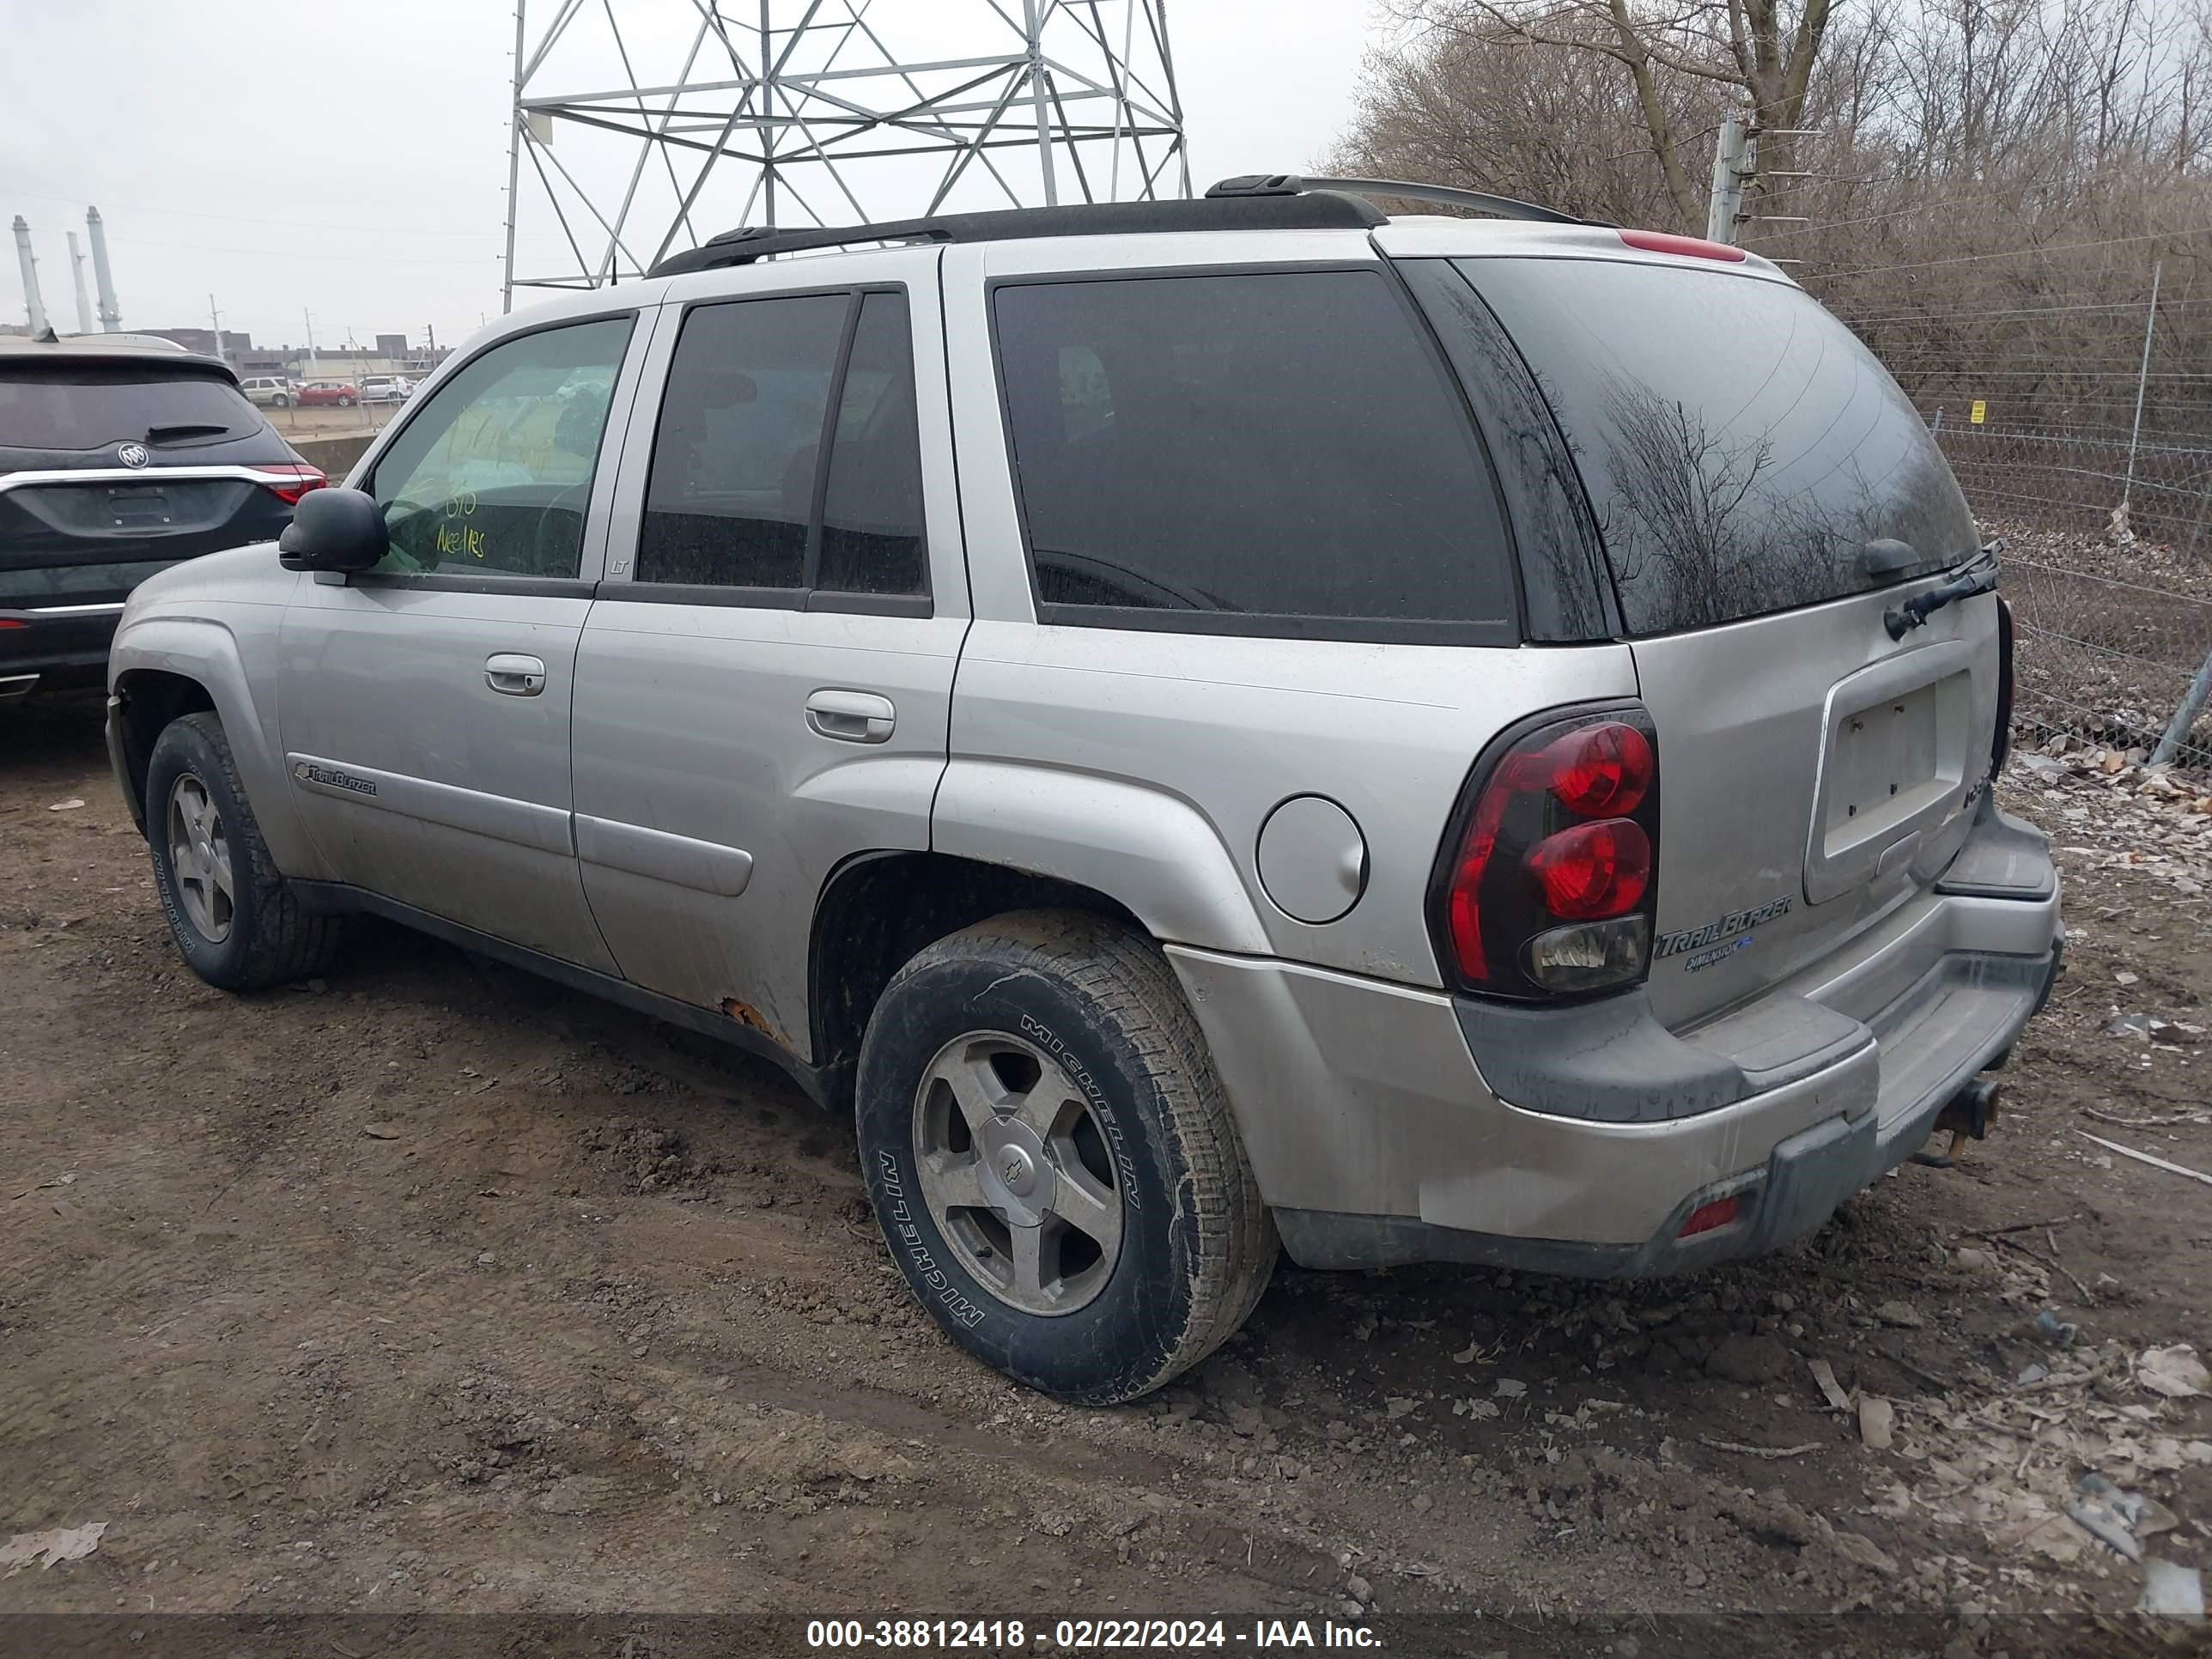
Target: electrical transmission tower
642	126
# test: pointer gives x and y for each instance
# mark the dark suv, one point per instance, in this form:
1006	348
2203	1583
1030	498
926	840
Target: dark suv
117	460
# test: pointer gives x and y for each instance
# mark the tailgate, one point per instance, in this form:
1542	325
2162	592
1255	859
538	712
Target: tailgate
1816	776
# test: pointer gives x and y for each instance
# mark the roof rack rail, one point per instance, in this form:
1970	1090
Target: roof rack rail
1252	210
1250	185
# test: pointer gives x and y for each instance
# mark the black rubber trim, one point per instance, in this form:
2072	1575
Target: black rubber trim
1319	210
1358	630
871	604
632	591
539	588
341	897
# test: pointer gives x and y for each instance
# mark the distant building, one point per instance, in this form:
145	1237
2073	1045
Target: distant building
203	340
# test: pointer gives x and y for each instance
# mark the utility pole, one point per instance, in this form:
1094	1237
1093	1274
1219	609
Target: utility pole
214	323
1736	160
310	316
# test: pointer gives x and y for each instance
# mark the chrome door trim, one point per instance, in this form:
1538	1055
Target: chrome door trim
501	817
34	479
111	608
704	866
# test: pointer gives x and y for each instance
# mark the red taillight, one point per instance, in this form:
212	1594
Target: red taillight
1593	871
1548	887
12	622
1601	770
300	478
1710	1217
1695	248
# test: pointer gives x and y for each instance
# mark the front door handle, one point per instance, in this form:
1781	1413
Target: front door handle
511	674
851	716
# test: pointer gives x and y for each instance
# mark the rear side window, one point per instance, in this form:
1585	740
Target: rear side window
754	483
90	406
1739	445
1273	453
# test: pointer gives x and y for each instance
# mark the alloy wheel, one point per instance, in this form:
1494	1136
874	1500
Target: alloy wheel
1016	1172
199	860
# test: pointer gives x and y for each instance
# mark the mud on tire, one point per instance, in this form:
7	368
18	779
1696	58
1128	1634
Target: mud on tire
1195	1245
269	937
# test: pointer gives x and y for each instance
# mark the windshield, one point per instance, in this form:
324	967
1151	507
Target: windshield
1739	445
87	406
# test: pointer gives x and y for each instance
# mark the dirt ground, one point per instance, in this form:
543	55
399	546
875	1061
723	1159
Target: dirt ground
433	1288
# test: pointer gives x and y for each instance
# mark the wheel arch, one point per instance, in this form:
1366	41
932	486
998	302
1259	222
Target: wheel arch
877	910
161	668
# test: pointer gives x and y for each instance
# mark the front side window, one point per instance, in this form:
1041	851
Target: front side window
742	493
493	475
1277	451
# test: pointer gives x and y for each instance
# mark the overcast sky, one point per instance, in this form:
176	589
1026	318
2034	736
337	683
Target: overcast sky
348	158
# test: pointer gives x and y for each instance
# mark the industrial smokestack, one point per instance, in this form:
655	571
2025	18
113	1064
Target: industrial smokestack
110	315
30	261
83	300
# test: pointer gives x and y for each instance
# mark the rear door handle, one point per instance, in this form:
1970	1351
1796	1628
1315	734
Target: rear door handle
511	674
851	716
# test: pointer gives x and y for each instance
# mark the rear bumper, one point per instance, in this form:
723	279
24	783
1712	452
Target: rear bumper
1377	1138
56	652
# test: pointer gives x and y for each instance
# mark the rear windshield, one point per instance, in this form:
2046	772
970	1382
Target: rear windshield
1740	446
87	406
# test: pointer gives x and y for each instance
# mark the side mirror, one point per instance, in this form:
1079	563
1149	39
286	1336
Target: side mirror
334	530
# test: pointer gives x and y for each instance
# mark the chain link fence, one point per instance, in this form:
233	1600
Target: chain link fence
2074	481
2102	658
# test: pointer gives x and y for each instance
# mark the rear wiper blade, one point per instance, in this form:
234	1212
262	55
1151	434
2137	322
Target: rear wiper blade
183	429
1977	575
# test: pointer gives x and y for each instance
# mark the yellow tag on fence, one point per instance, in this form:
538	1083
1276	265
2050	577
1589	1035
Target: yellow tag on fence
1974	415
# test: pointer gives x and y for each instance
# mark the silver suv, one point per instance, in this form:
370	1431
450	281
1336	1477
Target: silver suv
1199	724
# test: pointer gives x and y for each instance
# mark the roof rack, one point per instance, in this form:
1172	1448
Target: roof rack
1254	184
1247	210
1251	201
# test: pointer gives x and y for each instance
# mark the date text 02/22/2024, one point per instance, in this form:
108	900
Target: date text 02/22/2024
1080	1635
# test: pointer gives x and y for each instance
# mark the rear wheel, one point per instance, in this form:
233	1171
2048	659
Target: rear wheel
1052	1160
236	922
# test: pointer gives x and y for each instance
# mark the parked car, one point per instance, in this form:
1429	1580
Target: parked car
1199	724
118	460
267	391
312	393
385	389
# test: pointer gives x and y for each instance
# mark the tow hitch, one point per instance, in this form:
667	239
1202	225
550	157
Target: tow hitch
1971	1112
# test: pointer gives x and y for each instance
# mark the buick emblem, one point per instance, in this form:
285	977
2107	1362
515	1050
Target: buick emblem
132	454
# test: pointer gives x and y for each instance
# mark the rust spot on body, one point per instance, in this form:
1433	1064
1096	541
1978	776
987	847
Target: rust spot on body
751	1017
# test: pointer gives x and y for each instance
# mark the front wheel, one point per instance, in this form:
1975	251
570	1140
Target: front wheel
236	921
345	403
283	402
1052	1160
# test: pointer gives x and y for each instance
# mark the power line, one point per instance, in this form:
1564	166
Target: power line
2011	253
2130	308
